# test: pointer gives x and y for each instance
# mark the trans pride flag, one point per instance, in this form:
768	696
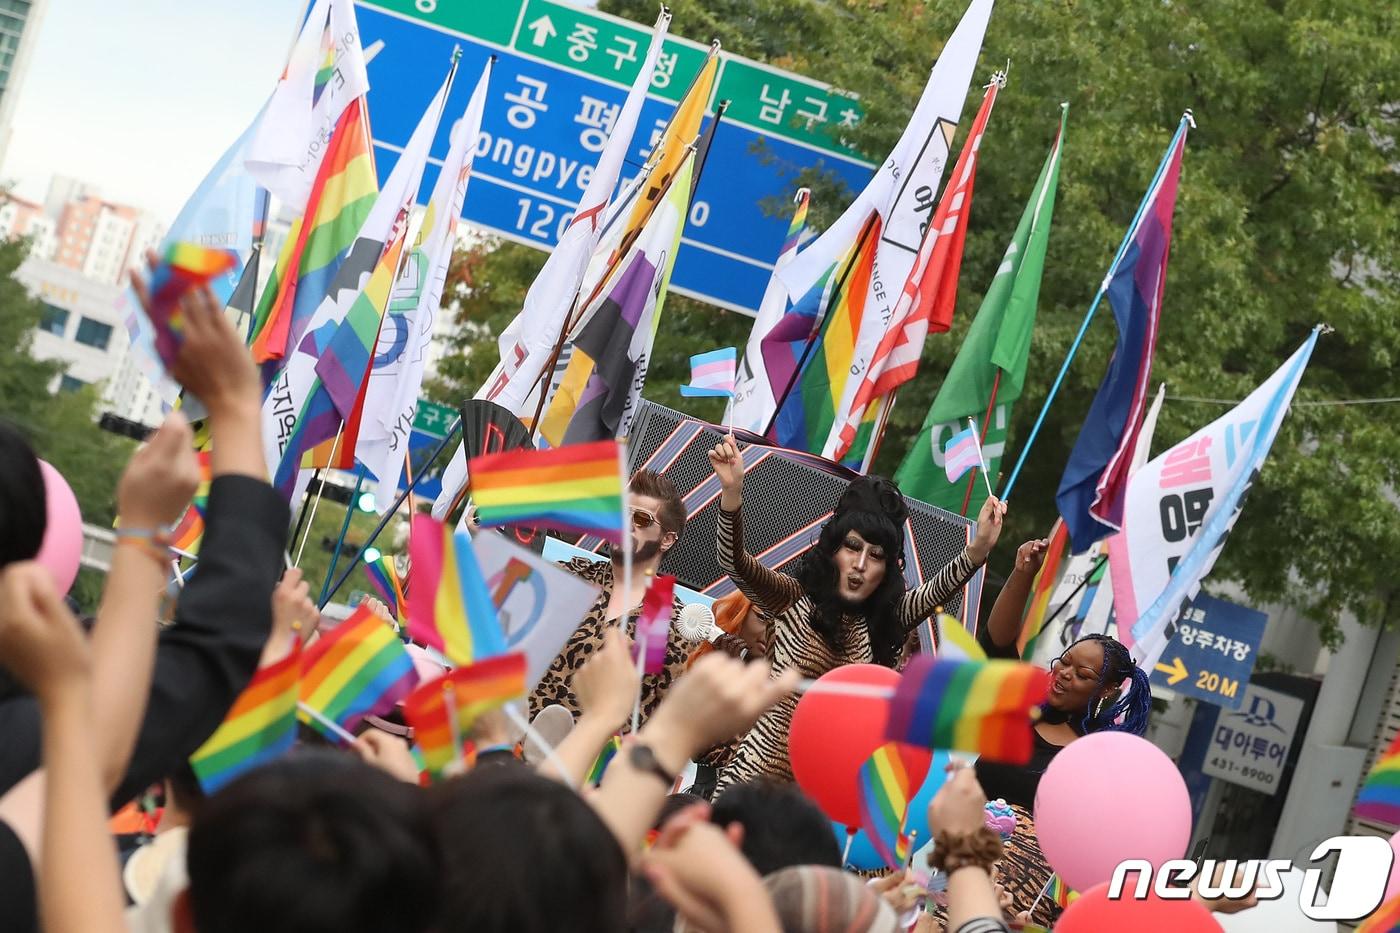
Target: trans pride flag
711	374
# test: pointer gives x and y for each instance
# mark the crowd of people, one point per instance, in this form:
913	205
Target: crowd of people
94	715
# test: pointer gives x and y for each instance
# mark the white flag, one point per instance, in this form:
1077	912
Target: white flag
285	407
325	73
1181	506
902	193
414	306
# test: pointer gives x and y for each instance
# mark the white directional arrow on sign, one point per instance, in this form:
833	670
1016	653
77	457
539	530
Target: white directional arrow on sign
543	28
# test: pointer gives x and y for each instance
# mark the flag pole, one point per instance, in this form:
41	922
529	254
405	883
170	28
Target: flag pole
344	529
981	461
391	512
1147	198
986	425
877	432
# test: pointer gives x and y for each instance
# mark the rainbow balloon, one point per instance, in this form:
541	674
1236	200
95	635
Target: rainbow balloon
888	781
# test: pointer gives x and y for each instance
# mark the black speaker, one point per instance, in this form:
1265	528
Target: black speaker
787	496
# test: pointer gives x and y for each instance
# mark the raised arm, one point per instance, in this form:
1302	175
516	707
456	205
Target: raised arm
1004	622
771	591
919	603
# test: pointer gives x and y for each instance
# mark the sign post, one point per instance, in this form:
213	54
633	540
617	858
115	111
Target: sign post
559	81
1213	652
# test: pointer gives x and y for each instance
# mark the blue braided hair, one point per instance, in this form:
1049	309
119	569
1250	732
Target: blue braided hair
1118	669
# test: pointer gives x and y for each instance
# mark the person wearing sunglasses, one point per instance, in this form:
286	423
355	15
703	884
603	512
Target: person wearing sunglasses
657	514
845	604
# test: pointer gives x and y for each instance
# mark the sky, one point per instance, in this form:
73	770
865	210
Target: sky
140	98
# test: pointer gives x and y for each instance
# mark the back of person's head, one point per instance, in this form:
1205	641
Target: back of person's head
319	842
820	899
782	826
23	502
184	793
661	488
525	854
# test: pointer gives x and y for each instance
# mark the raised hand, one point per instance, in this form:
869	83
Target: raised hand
40	641
960	805
160	478
989	522
1031	555
607	684
293	615
729	468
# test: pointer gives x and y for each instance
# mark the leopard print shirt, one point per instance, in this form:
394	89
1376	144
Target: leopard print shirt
588	638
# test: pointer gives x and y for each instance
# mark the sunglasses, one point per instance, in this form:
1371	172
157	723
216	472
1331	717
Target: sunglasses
642	519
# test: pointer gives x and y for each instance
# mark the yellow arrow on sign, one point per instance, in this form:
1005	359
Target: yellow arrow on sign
1175	673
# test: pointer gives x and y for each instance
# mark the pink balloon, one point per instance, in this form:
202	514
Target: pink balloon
1392	887
63	534
1108	797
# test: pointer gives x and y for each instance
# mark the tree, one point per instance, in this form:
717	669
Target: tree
1287	216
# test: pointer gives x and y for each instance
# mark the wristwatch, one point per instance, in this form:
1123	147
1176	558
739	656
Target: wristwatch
643	759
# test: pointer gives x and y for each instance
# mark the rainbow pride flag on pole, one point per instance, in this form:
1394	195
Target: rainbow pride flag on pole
184	267
259	727
450	608
600	764
187	534
360	668
712	374
384	577
1046	580
887	782
443	711
575	489
972	706
1379	799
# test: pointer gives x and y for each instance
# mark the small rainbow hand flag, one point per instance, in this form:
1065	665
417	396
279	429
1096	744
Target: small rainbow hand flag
971	706
384	577
712	374
575	489
360	668
259	727
185	266
960	454
1384	920
654	624
600	764
1062	894
189	531
451	608
887	782
442	711
1379	798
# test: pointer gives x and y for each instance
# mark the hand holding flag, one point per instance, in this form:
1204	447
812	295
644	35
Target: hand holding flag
973	706
184	267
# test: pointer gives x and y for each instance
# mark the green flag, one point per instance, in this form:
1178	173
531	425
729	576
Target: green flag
990	369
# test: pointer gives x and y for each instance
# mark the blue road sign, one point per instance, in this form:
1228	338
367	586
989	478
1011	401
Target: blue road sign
545	124
1213	652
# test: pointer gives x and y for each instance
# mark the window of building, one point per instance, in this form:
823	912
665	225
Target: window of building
93	333
67	383
54	320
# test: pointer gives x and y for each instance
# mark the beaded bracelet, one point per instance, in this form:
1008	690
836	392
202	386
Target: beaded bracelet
952	851
152	542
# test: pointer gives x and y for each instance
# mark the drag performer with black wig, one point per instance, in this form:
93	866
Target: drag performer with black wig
847	603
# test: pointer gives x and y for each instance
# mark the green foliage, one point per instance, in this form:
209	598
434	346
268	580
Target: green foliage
62	428
325	528
1287	216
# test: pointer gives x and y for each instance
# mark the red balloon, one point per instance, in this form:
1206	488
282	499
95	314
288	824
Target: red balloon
1095	913
833	734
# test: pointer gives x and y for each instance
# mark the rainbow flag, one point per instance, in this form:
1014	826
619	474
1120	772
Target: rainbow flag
712	374
1062	894
971	706
360	668
887	782
384	577
450	608
575	489
189	531
1379	799
654	625
341	198
185	266
600	764
807	414
1384	920
442	711
259	727
1046	579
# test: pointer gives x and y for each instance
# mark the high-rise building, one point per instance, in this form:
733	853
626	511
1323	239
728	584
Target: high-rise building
21	218
102	239
19	31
